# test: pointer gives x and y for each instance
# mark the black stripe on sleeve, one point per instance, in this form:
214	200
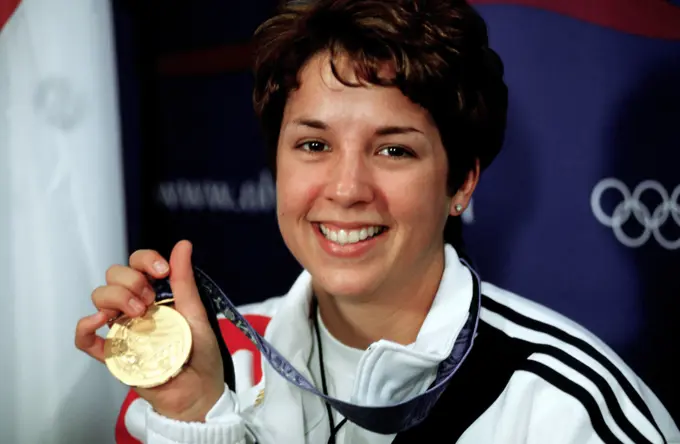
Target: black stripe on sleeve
603	387
582	345
571	388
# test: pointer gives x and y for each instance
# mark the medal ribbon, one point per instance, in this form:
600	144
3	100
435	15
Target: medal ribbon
386	419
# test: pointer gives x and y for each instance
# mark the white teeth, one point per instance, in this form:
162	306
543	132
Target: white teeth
343	237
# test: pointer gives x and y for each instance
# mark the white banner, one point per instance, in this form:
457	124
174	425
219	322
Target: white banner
61	218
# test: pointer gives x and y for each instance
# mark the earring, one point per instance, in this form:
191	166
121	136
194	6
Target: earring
458	208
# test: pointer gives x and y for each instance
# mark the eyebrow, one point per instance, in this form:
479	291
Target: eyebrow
381	131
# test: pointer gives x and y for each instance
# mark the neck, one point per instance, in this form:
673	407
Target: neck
395	314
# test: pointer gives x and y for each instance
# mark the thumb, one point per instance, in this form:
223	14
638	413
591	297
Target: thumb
183	285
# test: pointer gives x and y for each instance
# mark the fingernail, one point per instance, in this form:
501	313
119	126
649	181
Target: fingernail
148	294
136	305
160	266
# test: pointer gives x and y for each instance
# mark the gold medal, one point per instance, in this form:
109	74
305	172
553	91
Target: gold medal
149	350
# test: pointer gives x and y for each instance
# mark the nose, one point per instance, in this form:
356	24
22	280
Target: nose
349	180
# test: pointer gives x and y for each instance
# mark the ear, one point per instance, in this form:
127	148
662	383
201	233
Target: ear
461	199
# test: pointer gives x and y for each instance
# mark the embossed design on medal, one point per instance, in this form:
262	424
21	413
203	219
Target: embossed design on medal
150	350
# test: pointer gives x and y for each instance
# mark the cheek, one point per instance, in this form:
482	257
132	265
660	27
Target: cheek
422	202
295	194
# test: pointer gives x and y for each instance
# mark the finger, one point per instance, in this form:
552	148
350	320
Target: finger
110	313
86	335
133	280
151	262
187	300
119	299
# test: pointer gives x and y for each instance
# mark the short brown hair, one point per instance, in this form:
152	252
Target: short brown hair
438	48
438	51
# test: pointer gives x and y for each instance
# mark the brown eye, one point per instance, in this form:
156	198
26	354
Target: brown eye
395	151
314	146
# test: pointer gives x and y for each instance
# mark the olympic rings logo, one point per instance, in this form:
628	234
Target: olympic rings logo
630	205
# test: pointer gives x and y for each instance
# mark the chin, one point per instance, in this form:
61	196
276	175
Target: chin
346	284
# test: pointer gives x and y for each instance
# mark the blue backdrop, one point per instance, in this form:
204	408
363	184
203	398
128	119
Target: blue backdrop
581	211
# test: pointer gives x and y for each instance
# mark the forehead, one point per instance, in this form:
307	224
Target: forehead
322	95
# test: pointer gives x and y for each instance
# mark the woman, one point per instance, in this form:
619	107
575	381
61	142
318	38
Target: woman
379	117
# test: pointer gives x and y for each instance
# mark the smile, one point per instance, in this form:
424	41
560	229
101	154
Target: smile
345	237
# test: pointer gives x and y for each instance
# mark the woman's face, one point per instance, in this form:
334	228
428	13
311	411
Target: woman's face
361	185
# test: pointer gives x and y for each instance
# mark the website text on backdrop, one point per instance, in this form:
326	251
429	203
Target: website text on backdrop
379	117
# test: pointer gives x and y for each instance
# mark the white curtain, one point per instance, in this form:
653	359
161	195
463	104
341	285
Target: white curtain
61	218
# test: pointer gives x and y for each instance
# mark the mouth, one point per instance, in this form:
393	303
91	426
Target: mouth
351	236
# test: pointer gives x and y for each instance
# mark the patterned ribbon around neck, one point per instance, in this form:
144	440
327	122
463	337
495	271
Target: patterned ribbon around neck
384	419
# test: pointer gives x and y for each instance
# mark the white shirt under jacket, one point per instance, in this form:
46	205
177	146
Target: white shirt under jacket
529	409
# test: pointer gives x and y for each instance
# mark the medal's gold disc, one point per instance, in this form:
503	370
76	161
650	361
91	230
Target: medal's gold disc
150	350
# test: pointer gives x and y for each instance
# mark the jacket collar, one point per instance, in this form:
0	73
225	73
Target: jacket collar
388	373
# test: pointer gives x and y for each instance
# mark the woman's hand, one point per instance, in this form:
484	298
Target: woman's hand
195	390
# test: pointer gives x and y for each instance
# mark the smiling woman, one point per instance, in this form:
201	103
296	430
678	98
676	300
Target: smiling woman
364	158
380	117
